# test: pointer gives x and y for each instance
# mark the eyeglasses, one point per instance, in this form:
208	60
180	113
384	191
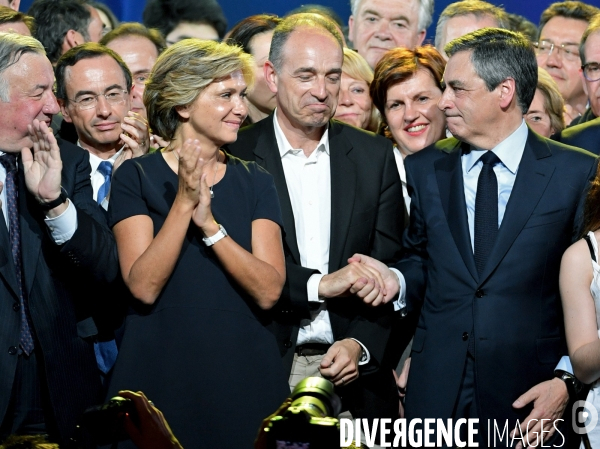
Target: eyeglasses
89	101
591	71
569	51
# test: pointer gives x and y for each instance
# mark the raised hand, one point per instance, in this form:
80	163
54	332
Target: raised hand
389	278
202	216
43	166
135	135
189	172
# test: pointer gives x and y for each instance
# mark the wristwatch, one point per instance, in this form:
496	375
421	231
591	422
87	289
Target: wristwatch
210	241
54	203
574	385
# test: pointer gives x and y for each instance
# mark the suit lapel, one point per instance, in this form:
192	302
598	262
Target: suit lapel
267	156
343	190
533	176
448	172
31	233
7	267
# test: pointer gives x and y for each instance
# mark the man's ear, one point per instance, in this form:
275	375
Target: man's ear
14	4
507	92
583	83
64	111
420	37
270	76
72	39
351	28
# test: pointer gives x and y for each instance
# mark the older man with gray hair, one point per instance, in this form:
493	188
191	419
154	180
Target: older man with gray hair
376	26
460	18
54	248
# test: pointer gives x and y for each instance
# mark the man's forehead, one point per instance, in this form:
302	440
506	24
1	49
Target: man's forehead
102	70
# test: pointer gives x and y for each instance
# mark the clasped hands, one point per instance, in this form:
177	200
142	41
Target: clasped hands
193	188
364	277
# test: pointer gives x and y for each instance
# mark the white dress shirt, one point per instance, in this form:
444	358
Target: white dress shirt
402	172
308	181
61	228
96	177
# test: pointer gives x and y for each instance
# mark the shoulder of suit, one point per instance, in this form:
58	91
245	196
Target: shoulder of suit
360	139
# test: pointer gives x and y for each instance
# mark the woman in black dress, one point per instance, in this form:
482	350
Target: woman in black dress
199	240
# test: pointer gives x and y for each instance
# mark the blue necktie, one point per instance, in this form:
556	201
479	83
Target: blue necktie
105	168
11	186
106	351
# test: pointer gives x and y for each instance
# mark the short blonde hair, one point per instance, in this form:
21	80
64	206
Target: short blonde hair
554	104
180	75
355	66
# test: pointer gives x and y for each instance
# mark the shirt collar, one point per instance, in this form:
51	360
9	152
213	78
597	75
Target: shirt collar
509	151
95	160
284	145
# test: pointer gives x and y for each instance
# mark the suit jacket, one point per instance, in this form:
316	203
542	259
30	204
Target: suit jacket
514	307
366	217
587	116
585	135
57	279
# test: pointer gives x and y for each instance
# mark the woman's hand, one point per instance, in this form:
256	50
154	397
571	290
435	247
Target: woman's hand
189	172
202	216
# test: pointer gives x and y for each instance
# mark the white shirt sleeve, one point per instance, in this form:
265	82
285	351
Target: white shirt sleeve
400	303
64	226
366	356
312	288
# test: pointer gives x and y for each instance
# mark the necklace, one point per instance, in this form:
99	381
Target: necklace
212	193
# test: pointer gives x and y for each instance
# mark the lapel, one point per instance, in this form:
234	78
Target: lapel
31	233
343	190
7	267
533	176
267	156
448	172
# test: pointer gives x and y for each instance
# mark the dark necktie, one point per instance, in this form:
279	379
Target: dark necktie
105	168
486	211
11	186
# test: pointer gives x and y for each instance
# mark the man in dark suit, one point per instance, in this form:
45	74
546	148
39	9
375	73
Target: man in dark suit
585	135
492	211
340	193
54	248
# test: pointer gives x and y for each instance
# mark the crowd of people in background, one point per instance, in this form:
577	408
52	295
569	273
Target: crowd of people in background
209	214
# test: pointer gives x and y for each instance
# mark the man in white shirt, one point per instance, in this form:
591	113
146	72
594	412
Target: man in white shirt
339	191
93	87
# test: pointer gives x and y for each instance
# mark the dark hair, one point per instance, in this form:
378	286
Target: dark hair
400	64
89	50
521	25
324	11
54	18
570	10
290	24
114	22
498	54
243	32
136	29
165	15
9	15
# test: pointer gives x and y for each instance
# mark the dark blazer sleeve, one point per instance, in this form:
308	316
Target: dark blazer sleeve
92	247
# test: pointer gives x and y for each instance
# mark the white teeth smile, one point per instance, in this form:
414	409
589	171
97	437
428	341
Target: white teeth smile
414	129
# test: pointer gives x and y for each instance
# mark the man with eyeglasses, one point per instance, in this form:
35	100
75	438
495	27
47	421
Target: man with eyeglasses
561	26
587	133
139	47
93	88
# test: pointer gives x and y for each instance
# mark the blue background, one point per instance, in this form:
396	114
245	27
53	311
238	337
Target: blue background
235	10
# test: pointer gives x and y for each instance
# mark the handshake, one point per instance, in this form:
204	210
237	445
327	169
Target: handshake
364	277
